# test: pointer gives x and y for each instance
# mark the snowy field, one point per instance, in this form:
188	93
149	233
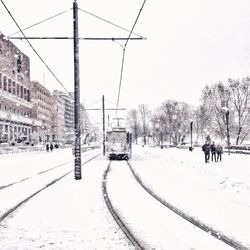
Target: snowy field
72	214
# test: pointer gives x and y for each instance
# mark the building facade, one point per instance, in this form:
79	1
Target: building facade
42	111
58	120
15	103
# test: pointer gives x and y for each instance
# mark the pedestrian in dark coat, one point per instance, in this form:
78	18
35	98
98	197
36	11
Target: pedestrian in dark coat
206	150
213	152
219	151
51	147
47	147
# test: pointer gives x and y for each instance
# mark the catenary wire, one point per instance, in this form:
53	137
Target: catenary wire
34	48
47	19
108	22
123	55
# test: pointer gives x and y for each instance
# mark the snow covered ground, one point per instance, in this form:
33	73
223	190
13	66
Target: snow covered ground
72	215
216	193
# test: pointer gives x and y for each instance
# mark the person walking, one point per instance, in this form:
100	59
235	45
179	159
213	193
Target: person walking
51	147
219	151
213	152
47	147
206	150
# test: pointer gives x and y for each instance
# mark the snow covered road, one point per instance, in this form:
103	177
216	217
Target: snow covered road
72	214
155	226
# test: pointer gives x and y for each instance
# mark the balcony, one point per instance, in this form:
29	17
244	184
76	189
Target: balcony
13	98
19	119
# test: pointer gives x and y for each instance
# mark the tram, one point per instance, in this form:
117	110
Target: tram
118	144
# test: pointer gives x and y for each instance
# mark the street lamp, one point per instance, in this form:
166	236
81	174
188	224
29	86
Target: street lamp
226	112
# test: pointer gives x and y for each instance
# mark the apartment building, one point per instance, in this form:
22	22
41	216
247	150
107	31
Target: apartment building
58	120
15	101
42	111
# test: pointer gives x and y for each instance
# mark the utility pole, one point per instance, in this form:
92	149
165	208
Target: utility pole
103	124
78	175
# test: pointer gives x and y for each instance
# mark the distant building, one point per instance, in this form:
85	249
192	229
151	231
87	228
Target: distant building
42	111
68	115
58	120
15	102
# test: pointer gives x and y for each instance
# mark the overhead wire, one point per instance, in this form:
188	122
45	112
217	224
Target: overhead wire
34	48
123	55
98	17
44	20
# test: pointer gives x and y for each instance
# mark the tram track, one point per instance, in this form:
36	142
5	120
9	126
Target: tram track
46	185
195	222
38	173
115	214
218	235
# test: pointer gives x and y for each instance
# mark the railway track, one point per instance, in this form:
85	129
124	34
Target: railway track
115	214
43	185
218	235
38	173
133	237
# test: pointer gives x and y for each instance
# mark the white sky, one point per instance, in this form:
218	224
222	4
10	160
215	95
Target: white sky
189	44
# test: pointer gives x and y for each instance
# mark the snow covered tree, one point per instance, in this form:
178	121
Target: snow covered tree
215	98
145	118
240	91
174	120
134	122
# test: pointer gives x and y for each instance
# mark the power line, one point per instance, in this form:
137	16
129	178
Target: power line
109	22
120	81
123	55
49	18
70	38
34	48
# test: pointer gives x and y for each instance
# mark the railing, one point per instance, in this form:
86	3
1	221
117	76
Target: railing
15	99
24	149
19	118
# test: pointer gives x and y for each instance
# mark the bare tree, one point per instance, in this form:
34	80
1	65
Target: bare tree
214	99
145	118
174	118
134	122
241	104
201	118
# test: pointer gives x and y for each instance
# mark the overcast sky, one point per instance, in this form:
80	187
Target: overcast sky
189	44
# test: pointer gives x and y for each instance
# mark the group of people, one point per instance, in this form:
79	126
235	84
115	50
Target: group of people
50	147
215	150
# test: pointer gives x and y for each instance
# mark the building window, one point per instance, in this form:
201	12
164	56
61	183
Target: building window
28	95
9	85
21	91
4	83
17	89
24	94
1	84
13	88
19	64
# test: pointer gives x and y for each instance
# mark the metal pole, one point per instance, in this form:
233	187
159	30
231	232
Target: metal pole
161	140
228	135
191	129
103	124
77	94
